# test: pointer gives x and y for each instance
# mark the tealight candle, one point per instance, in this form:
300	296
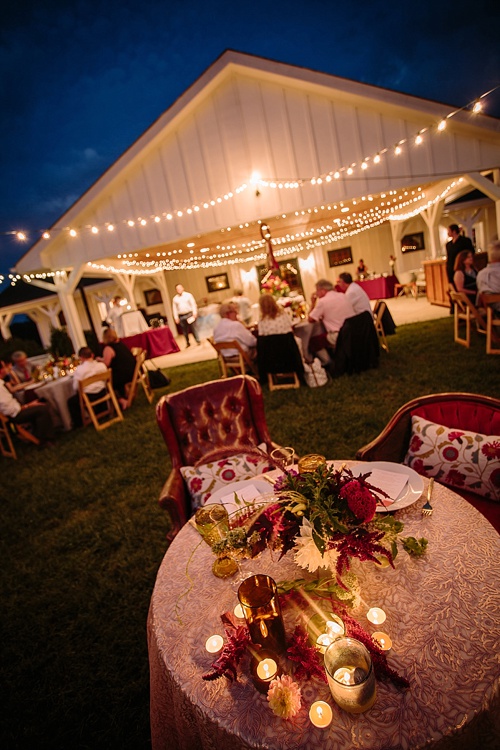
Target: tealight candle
335	626
376	615
323	641
383	640
266	669
321	714
214	644
238	612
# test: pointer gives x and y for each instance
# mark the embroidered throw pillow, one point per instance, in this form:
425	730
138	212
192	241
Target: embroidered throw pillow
204	480
458	458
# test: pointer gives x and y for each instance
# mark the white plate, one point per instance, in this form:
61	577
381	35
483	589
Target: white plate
226	494
410	493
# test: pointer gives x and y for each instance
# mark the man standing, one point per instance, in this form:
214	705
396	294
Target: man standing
94	391
354	293
456	244
488	279
185	312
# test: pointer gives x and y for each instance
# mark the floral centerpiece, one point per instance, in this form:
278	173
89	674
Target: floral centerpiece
275	285
327	518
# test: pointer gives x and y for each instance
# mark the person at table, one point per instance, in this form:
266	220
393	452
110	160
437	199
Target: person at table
456	244
354	293
87	368
185	312
464	278
488	279
331	309
244	306
120	361
229	328
115	314
273	318
361	270
35	413
22	369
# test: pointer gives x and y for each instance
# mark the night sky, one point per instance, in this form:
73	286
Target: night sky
80	81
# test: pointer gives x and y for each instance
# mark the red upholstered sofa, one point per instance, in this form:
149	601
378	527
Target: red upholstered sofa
463	411
221	414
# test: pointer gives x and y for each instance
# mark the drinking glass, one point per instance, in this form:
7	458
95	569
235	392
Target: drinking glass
349	670
283	457
212	522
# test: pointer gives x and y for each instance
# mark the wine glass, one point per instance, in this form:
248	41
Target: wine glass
284	457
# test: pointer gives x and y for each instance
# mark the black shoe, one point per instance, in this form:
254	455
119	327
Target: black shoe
188	344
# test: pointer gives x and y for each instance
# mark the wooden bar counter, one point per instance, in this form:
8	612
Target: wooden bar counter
437	282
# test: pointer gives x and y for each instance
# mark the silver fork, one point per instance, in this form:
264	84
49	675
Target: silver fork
427	509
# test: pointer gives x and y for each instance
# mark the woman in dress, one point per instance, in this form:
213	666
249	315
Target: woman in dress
121	362
464	277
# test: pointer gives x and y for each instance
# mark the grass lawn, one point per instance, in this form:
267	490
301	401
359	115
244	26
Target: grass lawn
82	537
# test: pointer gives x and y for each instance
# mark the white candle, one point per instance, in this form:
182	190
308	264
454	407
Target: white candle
321	714
238	612
335	626
214	644
383	640
266	669
323	641
376	615
345	675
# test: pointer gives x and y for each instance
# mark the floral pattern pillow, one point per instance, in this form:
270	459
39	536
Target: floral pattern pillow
206	479
459	458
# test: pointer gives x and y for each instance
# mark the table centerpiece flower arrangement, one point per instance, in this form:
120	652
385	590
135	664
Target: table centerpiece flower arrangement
275	285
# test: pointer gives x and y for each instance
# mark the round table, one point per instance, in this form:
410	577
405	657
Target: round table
442	615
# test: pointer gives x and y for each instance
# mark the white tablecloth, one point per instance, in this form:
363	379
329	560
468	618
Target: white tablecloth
442	615
56	393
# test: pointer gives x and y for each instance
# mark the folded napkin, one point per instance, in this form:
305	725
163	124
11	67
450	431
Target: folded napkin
391	483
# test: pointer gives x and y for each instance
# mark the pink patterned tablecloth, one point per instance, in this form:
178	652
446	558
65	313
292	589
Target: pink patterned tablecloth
442	615
156	342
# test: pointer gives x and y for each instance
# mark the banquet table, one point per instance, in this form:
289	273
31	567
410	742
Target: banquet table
155	341
56	393
442	616
380	288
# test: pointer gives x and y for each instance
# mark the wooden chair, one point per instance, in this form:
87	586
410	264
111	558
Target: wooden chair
465	311
7	430
238	364
104	417
218	415
140	376
492	323
463	411
279	361
378	314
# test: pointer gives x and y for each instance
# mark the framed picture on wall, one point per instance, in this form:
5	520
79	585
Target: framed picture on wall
217	283
412	242
153	297
339	257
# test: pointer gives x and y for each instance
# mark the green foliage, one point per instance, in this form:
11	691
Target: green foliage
415	547
60	343
83	537
14	344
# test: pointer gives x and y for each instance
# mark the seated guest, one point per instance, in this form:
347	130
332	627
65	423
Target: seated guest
14	384
20	374
121	361
331	308
94	391
488	279
229	328
34	413
464	278
354	293
273	318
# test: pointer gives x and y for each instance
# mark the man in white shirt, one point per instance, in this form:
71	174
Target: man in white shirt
185	312
229	328
354	293
35	413
488	279
87	367
331	308
115	316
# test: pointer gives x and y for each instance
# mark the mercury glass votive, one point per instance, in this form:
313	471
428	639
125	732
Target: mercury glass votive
311	462
350	674
258	596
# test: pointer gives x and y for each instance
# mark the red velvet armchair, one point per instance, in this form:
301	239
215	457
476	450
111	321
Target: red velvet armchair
221	414
465	411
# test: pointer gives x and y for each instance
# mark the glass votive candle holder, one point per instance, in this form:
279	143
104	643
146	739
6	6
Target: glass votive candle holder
264	668
212	522
350	674
258	596
283	457
323	629
311	462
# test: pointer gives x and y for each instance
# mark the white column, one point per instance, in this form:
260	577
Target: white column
65	286
432	217
5	319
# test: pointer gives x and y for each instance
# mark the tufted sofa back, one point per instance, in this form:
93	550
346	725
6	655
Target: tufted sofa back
220	414
462	413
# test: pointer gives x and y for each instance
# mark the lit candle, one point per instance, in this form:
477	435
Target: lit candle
323	641
349	675
266	669
376	615
335	626
214	644
383	640
238	612
321	714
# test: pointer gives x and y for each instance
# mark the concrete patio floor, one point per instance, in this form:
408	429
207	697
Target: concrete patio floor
404	310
